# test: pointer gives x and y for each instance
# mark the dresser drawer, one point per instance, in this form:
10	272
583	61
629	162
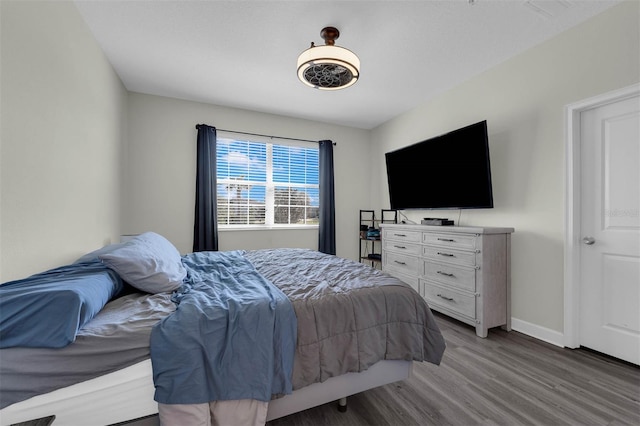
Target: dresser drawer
459	241
404	264
448	255
408	279
402	247
402	235
457	276
464	304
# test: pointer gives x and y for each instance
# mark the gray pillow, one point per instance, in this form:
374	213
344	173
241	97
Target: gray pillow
148	262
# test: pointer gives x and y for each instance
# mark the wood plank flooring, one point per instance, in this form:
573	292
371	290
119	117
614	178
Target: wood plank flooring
506	379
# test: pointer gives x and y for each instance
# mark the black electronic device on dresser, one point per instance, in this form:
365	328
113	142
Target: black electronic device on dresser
450	171
437	221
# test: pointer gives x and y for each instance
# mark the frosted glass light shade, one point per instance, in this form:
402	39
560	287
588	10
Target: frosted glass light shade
328	67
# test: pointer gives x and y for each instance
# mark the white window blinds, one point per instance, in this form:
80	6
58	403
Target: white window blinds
266	184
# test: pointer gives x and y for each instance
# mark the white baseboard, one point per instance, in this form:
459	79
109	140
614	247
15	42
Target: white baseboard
542	333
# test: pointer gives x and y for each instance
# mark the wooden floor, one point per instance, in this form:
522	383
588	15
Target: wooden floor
505	379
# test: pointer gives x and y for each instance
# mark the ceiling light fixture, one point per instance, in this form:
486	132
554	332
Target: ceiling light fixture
328	67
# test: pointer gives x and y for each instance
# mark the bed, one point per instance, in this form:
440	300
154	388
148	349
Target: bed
355	328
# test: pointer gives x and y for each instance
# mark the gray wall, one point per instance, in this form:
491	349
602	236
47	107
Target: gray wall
63	126
523	100
161	168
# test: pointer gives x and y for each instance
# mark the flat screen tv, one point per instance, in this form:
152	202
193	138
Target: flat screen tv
450	171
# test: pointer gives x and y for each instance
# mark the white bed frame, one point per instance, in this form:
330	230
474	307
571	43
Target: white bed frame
127	394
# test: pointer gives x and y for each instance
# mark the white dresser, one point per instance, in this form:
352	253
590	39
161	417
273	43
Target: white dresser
463	272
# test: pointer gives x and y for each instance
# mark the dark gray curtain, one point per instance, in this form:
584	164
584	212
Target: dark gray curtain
327	240
205	230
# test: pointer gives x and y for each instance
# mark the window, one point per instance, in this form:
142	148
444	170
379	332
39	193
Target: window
266	184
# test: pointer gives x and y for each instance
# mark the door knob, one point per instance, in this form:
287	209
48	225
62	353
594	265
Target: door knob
588	240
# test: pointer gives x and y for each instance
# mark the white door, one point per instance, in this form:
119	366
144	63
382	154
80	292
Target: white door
610	229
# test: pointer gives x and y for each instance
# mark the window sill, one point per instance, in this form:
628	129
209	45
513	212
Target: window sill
267	228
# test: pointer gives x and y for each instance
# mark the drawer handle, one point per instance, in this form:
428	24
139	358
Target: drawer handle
446	254
449	240
450	299
399	263
446	274
400	235
400	247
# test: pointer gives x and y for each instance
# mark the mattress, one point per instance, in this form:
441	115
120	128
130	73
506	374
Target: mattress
114	339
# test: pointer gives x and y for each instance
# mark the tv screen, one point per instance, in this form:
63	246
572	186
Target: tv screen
450	171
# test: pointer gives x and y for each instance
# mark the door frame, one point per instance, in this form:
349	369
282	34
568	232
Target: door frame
572	185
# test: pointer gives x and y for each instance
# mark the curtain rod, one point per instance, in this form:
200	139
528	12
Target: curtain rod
267	136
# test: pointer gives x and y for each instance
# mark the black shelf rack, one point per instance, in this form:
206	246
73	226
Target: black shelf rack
370	244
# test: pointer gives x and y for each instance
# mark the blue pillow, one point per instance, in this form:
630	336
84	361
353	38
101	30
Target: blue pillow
148	262
92	256
46	310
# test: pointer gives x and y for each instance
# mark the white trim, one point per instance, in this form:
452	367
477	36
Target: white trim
276	140
224	228
536	331
572	206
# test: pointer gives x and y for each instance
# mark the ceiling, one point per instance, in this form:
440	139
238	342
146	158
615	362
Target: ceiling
243	53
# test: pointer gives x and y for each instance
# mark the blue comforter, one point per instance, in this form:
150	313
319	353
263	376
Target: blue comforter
232	336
